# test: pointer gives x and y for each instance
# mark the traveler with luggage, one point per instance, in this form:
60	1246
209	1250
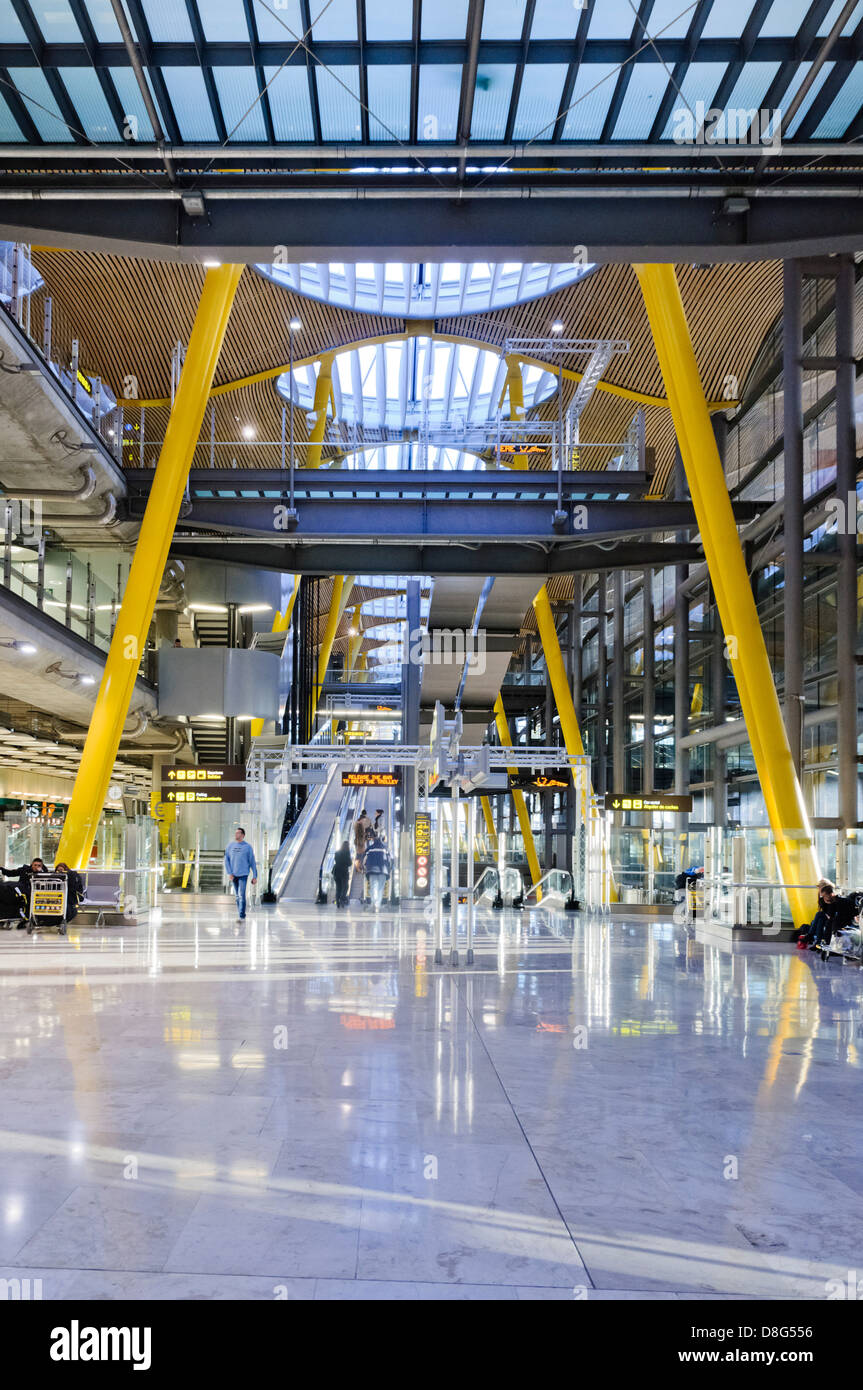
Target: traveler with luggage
24	874
342	873
377	869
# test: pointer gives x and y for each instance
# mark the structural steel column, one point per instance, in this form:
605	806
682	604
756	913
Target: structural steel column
323	390
145	574
785	806
792	430
600	784
618	735
720	756
846	594
649	684
518	795
681	648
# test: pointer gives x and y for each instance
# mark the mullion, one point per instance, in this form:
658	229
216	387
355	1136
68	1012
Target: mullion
305	20
82	19
681	68
529	11
207	72
636	40
415	73
259	71
160	91
572	70
465	96
821	103
18	106
364	81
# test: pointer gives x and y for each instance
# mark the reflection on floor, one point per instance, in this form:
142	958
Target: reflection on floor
305	1106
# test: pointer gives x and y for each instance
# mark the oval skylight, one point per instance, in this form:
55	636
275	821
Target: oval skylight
416	384
424	289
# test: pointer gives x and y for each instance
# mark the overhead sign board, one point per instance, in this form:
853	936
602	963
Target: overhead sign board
215	792
422	854
222	772
655	801
370	779
553	779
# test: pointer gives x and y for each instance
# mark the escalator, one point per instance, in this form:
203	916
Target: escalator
297	864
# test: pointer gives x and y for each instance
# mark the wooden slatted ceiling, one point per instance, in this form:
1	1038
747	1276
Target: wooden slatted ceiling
129	314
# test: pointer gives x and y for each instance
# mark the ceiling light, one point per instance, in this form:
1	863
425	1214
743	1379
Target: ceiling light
193	204
26	648
256	608
87	680
557	326
208	607
248	431
295	324
212	265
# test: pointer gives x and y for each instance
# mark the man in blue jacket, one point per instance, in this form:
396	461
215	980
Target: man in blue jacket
239	863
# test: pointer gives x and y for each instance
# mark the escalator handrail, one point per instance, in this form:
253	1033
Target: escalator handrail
540	884
296	837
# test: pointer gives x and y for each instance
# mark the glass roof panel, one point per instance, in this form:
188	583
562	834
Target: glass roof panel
612	19
727	19
88	99
670	19
104	22
409	456
643	96
591	97
444	19
8	125
167	21
843	108
465	388
384	20
557	19
336	21
279	27
338	102
132	102
223	23
491	100
424	289
784	18
389	97
39	100
191	104
439	93
10	25
56	21
290	105
504	19
238	90
833	14
539	100
810	95
699	85
748	94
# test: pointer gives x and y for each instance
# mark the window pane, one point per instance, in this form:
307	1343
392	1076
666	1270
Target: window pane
237	89
191	104
389	19
338	102
389	92
223	23
439	92
444	19
88	99
41	106
491	100
503	19
167	21
641	103
289	103
591	97
539	100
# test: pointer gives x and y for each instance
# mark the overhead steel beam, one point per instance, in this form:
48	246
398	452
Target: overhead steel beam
433	557
363	517
499	221
270	482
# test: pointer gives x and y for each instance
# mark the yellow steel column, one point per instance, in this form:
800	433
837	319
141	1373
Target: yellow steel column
354	643
744	639
145	575
342	585
323	391
281	623
562	695
515	386
518	795
489	818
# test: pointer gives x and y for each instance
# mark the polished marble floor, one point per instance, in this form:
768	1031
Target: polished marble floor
305	1106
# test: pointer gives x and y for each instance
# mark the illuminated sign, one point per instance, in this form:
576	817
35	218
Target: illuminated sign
216	792
227	772
655	802
370	779
422	854
556	779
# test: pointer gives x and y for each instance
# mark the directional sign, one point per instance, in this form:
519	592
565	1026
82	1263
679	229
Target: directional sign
422	854
215	792
224	772
554	779
653	802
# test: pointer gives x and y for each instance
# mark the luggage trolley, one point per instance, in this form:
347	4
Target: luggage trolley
47	903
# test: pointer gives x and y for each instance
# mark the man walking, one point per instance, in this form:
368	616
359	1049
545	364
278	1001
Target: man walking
239	864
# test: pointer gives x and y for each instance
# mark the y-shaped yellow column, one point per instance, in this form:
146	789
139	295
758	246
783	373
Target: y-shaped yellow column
323	390
744	639
145	575
518	796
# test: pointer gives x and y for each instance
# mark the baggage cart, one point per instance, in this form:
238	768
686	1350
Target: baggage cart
47	903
